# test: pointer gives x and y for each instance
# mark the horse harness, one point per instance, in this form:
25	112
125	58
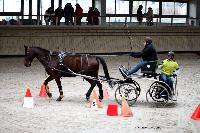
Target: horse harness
61	56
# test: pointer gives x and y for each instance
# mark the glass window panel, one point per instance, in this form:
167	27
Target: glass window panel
136	5
180	8
165	20
26	7
85	4
1	5
122	7
167	8
154	6
115	19
12	5
34	7
45	4
179	20
110	6
56	3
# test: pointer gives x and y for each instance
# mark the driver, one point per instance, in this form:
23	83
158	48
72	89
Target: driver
147	54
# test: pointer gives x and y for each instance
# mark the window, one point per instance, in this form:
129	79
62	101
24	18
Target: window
85	4
110	6
136	5
10	5
122	7
180	8
154	6
167	8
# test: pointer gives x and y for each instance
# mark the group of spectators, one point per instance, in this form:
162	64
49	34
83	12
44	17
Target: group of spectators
70	15
149	16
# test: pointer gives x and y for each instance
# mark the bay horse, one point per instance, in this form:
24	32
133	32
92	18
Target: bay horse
59	64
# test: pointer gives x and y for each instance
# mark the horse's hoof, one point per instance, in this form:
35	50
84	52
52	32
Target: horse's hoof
58	99
100	98
87	98
49	95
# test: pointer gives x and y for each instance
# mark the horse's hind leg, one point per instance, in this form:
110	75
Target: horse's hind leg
46	86
100	90
60	88
93	84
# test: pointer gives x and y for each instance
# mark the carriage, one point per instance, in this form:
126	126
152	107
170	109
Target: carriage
59	64
159	93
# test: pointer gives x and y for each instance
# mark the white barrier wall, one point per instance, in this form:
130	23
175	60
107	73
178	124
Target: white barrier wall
97	39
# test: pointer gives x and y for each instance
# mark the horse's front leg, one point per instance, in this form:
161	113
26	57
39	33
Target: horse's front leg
60	88
47	87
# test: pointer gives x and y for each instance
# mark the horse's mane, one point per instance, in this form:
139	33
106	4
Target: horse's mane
42	49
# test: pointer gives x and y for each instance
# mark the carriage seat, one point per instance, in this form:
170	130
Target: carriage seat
149	69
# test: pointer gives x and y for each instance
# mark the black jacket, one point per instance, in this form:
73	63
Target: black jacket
148	53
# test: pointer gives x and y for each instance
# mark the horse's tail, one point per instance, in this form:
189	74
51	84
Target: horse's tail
105	68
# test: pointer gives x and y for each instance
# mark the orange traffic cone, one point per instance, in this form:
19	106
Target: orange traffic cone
43	91
28	99
94	96
126	111
196	113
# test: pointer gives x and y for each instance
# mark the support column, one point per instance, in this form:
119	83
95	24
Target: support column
30	12
103	12
38	12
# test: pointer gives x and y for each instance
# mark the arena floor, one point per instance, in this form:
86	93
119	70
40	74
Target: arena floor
73	115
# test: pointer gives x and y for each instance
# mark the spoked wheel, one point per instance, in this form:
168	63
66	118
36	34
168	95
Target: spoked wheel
157	95
127	90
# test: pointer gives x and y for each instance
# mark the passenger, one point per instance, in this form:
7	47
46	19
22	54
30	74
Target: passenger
148	54
168	66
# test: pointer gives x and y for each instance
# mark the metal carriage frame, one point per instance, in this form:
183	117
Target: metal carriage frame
159	93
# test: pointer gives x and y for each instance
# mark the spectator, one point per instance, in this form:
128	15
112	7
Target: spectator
149	17
96	16
48	16
139	14
59	13
90	16
78	14
68	14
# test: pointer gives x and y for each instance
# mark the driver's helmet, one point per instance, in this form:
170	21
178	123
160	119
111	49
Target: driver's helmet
171	55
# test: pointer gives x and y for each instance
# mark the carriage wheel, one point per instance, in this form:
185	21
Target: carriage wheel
128	91
157	95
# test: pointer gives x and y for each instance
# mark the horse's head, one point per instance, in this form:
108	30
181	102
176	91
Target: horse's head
29	56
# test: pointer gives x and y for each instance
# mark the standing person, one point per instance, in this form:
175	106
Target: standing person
59	13
48	16
168	66
149	17
68	14
148	54
96	16
90	16
139	14
78	14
